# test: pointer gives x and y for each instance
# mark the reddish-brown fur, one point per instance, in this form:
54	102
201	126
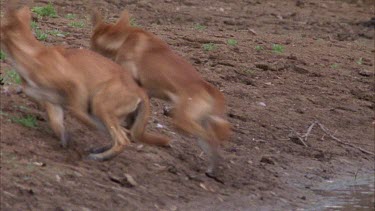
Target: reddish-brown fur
95	89
198	106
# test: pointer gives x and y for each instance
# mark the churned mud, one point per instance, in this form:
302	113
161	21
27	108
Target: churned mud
282	66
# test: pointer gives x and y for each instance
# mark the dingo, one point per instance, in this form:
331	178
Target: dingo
198	106
95	89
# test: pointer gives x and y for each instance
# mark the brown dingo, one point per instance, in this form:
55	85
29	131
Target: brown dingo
198	106
95	89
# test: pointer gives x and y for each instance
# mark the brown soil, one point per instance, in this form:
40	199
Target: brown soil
325	73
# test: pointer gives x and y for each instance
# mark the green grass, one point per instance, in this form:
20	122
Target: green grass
199	27
57	33
27	121
11	76
209	47
77	24
258	48
40	35
277	48
133	22
232	42
70	16
360	61
334	66
249	72
46	11
2	55
34	25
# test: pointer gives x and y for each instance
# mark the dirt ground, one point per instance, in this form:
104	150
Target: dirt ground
321	69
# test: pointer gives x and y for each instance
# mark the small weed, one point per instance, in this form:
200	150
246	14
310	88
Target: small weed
360	61
48	11
232	42
3	113
199	27
40	35
70	16
133	22
249	72
28	121
209	47
77	24
277	48
334	66
57	33
2	55
34	25
11	76
258	48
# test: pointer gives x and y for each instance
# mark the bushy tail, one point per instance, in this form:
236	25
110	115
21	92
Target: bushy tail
138	128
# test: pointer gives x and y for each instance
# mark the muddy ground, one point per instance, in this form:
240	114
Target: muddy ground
322	69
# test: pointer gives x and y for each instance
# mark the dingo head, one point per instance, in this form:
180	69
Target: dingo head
108	38
15	25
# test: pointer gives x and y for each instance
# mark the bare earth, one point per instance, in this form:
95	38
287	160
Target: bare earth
325	73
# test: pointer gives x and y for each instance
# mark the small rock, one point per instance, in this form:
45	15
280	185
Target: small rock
203	186
130	180
173	208
300	3
366	73
167	111
292	57
267	159
288	41
262	66
262	104
19	90
39	164
58	178
159	125
139	147
300	69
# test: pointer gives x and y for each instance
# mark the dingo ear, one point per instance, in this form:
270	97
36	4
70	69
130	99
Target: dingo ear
124	19
96	18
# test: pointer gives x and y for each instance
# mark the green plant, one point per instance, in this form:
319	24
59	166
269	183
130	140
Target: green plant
334	66
277	48
360	61
57	33
40	35
27	121
34	25
47	10
209	47
232	42
11	76
70	16
258	48
199	27
77	24
2	55
133	22
249	71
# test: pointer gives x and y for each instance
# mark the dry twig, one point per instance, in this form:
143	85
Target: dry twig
326	131
303	138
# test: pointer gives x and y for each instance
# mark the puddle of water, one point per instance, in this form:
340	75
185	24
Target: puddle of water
347	195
